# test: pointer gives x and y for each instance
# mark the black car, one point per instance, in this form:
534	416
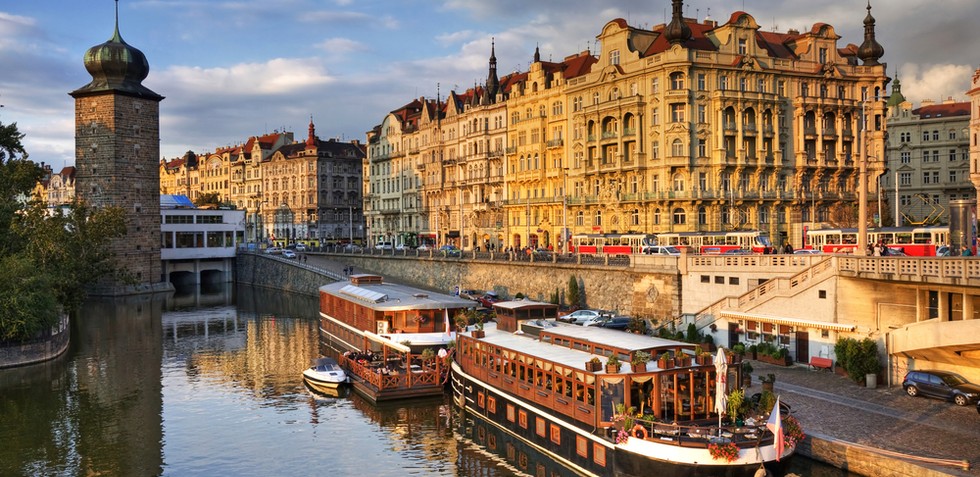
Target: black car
942	385
617	323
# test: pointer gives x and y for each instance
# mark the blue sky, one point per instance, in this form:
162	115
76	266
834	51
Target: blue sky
230	69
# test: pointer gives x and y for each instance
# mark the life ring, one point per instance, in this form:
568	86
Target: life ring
639	432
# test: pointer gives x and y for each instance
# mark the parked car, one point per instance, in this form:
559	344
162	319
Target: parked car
288	254
273	250
450	251
661	250
351	248
942	385
488	299
424	248
617	323
579	317
384	246
598	321
301	247
469	294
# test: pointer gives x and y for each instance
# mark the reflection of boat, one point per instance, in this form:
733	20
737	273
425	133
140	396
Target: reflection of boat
390	334
318	393
324	374
538	383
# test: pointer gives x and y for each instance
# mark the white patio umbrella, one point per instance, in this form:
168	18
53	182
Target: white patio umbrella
721	385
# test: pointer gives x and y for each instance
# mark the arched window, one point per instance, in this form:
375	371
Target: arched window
677	148
656	217
680	217
678	182
580	219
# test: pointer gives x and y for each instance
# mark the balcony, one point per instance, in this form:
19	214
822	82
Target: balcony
629	132
730	128
609	135
556	143
830	134
749	130
809	132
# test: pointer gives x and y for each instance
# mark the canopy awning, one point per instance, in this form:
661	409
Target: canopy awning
782	320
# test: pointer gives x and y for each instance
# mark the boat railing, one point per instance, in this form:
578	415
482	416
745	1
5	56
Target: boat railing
400	379
700	434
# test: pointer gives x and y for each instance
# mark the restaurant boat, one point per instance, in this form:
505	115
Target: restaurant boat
650	414
391	335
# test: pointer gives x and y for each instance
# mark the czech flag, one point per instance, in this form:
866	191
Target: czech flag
775	424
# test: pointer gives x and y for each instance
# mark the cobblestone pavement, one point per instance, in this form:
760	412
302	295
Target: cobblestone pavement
836	407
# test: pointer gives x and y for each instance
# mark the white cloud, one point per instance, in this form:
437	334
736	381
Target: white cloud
276	76
935	82
342	46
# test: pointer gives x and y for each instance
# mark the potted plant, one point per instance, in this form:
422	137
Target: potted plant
427	354
746	374
593	365
736	399
665	361
478	330
768	380
612	364
639	361
682	360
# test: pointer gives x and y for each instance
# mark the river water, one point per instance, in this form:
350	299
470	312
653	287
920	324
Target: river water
208	383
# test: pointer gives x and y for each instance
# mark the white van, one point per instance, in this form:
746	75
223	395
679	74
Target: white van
384	246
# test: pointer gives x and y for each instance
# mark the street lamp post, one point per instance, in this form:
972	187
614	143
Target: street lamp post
862	239
564	210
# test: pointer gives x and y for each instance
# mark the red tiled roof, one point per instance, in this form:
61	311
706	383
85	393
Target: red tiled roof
943	110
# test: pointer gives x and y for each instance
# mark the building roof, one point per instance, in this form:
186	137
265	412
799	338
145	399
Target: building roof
943	110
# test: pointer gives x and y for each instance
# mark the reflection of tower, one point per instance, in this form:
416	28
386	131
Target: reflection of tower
117	136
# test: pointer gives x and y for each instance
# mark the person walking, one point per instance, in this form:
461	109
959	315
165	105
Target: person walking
966	252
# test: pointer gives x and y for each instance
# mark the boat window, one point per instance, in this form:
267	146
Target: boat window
612	393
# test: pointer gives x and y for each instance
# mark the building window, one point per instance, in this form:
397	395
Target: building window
702	220
822	55
702	82
677	112
676	81
742	46
822	294
614	57
906	157
702	114
598	219
705	278
905	178
655	85
733	280
678	183
702	148
677	148
680	217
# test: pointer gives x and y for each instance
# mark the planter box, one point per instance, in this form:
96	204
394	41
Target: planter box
777	361
612	368
640	368
665	363
478	333
592	367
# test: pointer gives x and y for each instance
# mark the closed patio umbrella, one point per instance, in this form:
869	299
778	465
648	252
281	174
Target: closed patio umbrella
721	378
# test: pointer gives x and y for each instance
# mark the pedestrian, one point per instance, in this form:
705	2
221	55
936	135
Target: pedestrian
966	252
305	258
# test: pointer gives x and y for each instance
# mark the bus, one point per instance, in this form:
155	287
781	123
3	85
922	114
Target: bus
611	244
913	241
716	243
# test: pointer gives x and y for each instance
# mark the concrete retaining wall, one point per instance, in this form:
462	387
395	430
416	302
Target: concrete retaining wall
38	351
859	460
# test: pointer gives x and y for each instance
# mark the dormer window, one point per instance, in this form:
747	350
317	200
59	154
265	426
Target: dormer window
614	57
822	53
742	46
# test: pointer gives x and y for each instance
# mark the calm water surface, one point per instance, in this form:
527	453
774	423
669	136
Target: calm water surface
208	383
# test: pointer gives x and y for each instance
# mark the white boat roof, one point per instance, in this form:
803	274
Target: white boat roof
573	358
394	297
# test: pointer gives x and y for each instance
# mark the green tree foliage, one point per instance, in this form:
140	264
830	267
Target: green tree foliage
208	199
46	259
574	297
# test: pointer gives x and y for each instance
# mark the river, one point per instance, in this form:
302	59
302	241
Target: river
208	383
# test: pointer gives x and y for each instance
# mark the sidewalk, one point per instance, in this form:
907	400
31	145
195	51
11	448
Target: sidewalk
834	407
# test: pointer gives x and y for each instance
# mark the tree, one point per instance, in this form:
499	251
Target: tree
212	199
46	259
574	297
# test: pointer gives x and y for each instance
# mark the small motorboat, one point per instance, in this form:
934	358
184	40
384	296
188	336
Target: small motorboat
325	373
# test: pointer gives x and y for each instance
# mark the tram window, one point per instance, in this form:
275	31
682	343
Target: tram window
850	238
903	238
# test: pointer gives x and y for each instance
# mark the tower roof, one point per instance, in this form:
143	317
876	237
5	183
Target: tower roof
870	51
116	66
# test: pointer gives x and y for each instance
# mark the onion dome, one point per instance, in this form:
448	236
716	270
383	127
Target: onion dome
870	51
896	98
116	66
677	31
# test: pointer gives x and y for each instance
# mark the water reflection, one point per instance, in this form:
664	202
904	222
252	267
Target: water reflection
208	383
97	409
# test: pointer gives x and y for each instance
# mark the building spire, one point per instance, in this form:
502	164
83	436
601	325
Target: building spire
537	54
677	32
870	51
493	83
311	138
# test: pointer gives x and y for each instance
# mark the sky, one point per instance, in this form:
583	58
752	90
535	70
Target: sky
231	69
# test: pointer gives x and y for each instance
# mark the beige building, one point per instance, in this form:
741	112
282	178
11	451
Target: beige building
686	127
291	191
928	159
974	133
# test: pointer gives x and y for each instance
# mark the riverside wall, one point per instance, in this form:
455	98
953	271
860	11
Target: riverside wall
649	292
22	354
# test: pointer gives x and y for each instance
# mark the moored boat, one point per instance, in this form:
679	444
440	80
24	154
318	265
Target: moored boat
392	335
324	373
651	411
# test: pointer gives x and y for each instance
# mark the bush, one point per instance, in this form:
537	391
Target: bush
692	334
858	358
574	296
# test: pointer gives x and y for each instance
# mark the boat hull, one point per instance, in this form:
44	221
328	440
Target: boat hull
594	452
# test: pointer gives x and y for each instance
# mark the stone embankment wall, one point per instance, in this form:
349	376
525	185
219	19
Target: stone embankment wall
862	461
650	293
37	351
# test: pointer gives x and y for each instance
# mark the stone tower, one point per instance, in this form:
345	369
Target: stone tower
117	152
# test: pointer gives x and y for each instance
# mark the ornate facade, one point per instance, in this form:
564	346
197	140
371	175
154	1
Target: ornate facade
689	126
928	156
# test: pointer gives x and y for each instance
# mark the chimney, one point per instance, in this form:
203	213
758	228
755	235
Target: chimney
949	100
927	102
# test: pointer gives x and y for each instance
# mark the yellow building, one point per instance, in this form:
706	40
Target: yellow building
688	126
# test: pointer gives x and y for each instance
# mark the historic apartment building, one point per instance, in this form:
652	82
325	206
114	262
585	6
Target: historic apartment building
928	159
688	126
291	191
